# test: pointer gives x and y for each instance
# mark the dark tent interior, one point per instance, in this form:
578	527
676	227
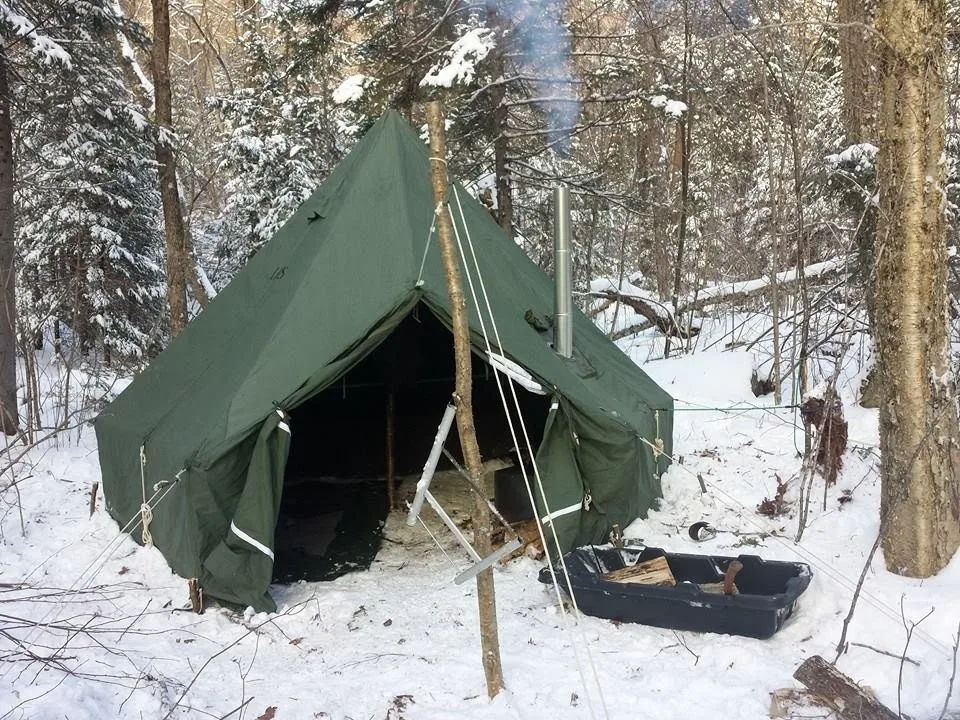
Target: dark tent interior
335	492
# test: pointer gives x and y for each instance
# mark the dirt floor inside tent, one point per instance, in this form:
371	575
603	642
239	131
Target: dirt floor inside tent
349	537
457	499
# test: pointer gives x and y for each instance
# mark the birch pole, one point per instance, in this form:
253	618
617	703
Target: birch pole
486	598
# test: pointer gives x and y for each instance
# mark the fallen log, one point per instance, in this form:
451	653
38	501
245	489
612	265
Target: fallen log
665	323
843	695
728	293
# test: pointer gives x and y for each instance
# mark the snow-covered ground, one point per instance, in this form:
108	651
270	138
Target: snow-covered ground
401	640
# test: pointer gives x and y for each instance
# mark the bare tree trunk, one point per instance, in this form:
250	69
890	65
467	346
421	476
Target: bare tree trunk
190	263
919	437
683	137
9	416
590	241
489	640
30	390
796	154
858	61
132	73
775	229
500	142
858	74
169	192
502	171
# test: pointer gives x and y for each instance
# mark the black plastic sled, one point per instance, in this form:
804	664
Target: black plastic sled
767	590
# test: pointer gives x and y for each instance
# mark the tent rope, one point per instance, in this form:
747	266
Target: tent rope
146	512
434	538
426	249
529	445
97	564
658	449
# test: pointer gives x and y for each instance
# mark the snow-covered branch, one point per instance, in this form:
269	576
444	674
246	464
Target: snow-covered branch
45	47
460	65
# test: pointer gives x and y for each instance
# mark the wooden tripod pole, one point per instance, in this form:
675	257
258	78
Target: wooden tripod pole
486	598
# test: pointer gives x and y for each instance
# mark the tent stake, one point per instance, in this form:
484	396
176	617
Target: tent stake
196	595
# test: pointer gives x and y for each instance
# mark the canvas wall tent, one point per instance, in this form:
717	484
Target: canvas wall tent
206	427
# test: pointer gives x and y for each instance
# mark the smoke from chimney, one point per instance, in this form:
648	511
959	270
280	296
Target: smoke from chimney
539	33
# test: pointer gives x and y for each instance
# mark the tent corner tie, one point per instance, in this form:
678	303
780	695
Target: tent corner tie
146	512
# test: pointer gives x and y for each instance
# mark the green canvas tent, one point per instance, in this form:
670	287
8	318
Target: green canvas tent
204	433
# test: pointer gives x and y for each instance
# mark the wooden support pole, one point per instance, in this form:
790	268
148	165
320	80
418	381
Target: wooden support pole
849	700
489	639
391	428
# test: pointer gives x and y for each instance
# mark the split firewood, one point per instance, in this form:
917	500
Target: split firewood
785	701
529	535
730	575
652	572
93	497
840	693
728	586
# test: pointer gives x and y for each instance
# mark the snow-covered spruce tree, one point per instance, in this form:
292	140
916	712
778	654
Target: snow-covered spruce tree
22	44
281	134
88	233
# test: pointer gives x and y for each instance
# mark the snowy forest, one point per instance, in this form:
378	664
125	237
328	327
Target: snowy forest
706	143
765	198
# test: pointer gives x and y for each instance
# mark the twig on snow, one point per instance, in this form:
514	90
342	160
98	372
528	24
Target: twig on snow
224	649
953	675
237	709
909	628
32	699
885	652
856	596
687	648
